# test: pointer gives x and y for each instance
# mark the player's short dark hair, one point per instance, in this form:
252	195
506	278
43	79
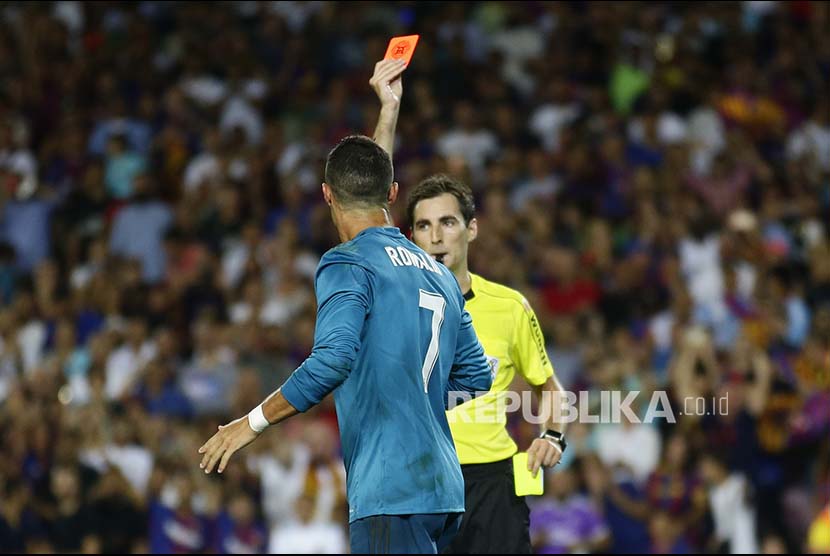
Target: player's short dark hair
439	184
359	172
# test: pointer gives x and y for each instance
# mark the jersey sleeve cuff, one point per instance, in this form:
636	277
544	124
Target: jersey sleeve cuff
540	379
293	395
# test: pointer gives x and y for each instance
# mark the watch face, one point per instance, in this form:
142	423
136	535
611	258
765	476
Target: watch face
558	437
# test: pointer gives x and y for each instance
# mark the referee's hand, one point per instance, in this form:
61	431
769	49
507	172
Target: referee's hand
542	452
387	83
222	445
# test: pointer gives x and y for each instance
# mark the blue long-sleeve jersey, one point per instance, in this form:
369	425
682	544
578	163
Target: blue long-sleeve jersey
392	339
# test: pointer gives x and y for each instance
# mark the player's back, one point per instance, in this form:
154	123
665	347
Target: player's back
398	449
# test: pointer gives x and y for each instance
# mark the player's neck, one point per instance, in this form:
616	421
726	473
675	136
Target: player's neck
350	223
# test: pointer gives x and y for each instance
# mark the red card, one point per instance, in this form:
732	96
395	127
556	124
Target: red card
401	48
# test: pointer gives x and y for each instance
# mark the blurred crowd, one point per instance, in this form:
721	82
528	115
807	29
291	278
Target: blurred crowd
654	177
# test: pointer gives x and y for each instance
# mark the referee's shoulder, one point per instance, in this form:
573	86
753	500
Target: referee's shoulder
499	293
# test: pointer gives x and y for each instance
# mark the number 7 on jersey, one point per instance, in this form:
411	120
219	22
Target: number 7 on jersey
432	302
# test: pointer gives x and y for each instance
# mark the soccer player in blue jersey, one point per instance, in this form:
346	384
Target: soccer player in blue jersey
392	341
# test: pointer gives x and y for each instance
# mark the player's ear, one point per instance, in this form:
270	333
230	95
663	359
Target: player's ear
327	196
472	229
393	192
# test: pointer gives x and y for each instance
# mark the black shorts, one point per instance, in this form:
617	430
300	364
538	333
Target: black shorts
496	521
403	534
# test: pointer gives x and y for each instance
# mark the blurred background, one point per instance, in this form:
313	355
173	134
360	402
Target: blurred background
654	177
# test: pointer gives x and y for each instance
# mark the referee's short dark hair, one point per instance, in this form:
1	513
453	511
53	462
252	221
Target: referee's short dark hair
359	172
439	184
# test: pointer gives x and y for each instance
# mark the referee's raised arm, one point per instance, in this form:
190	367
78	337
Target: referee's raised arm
387	83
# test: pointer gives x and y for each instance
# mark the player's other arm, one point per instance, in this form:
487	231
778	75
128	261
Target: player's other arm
344	299
388	87
470	372
534	365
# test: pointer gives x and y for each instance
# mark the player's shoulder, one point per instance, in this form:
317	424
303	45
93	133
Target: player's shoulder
500	294
343	254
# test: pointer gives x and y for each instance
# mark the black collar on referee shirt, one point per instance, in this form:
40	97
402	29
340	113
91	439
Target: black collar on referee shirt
469	295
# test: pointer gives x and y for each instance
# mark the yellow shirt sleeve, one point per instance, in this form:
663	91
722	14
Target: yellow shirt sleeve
818	538
529	354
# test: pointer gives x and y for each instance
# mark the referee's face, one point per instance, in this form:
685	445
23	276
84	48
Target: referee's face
439	229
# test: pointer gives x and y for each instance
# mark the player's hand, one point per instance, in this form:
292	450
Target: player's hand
542	452
387	82
222	445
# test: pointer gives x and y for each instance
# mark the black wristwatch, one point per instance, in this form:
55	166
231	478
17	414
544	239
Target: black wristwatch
557	437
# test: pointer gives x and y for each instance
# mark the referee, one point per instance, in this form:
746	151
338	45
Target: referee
496	521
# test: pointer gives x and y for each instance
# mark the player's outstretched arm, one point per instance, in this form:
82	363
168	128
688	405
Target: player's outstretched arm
239	433
388	86
343	297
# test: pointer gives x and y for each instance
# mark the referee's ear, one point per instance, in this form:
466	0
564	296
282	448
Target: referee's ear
472	230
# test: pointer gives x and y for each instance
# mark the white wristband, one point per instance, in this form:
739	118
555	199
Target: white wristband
257	420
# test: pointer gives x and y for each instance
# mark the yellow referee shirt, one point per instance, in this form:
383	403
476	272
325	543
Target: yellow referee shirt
512	339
